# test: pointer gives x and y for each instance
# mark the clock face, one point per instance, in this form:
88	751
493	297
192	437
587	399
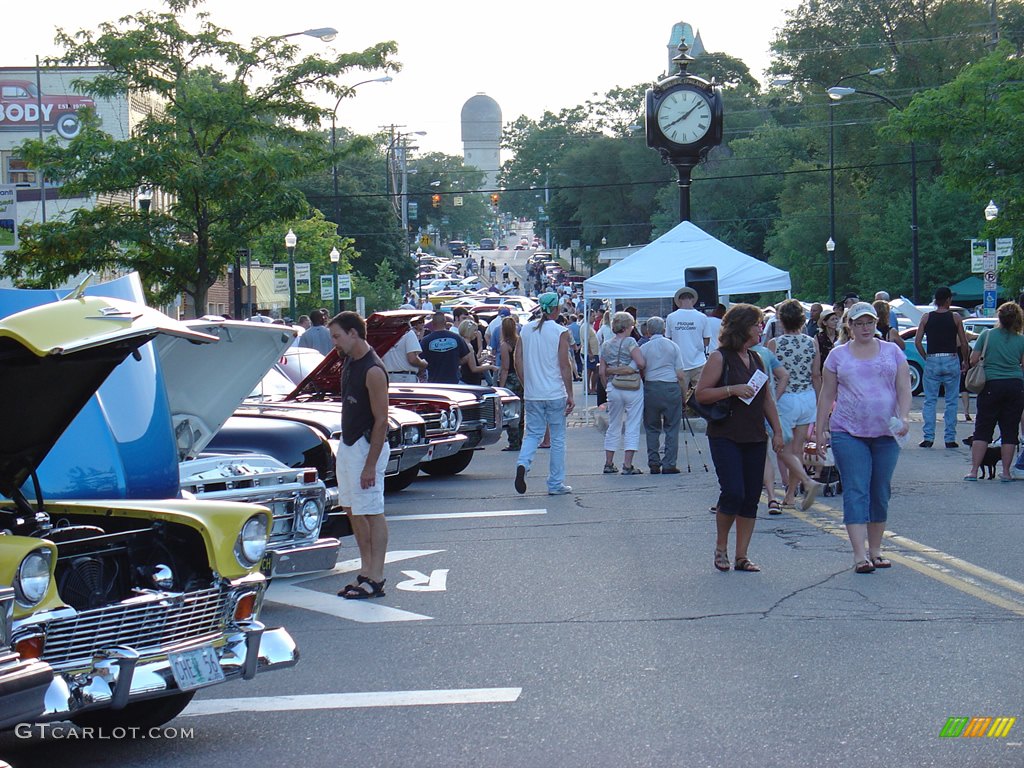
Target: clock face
684	116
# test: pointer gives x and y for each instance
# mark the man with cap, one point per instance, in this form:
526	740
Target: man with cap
542	359
849	300
689	329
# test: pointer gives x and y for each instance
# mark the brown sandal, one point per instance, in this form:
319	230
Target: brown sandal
722	560
743	564
864	566
880	562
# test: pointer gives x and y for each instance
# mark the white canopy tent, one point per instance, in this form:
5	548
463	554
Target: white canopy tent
658	269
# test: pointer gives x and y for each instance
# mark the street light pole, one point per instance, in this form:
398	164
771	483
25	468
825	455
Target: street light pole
831	244
837	93
335	257
289	242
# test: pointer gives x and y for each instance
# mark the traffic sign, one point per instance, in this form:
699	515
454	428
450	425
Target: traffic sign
424	241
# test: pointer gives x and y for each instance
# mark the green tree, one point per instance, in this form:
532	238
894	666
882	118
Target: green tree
225	150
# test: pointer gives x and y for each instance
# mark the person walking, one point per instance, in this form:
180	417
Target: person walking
827	336
622	363
797	404
866	388
1001	351
663	404
689	328
542	359
943	331
887	332
363	452
509	377
739	443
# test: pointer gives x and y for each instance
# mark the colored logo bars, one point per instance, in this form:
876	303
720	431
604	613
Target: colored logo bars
976	727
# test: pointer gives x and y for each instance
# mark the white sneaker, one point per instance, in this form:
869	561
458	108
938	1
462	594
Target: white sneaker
561	491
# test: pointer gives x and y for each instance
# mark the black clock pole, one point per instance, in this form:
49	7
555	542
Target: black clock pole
685	169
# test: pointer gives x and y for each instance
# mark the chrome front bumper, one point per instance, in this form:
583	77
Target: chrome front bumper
320	555
119	676
410	456
23	688
443	447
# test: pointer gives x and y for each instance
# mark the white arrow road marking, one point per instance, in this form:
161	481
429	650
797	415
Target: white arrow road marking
437	581
455	515
353	700
286	591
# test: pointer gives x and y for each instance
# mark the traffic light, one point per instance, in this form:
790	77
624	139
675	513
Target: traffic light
435	200
495	199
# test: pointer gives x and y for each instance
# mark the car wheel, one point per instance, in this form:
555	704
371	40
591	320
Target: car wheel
68	125
916	379
402	480
142	714
450	465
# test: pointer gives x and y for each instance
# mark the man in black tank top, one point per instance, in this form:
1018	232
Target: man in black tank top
945	359
363	451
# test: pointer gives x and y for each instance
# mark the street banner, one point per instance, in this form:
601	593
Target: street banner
8	217
303	282
978	249
1004	248
344	287
281	279
326	287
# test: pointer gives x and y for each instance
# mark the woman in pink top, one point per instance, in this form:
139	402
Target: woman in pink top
869	382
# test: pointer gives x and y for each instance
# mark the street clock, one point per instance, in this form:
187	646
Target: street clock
684	117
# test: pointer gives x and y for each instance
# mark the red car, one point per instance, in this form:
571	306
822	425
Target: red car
21	106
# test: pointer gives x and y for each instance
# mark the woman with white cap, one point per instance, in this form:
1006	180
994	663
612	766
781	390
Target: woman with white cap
868	381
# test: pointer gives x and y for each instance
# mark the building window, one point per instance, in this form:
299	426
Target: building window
18	173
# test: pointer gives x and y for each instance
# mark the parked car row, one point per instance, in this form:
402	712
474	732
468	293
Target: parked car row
149	497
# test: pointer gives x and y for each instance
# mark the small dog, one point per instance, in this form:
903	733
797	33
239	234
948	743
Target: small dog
993	455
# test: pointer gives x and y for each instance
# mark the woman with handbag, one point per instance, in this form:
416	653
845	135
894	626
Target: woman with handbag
866	389
508	377
998	355
620	367
736	435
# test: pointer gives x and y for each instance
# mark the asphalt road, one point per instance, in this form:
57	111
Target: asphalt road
592	630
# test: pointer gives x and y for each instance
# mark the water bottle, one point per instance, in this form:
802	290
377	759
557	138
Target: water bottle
895	425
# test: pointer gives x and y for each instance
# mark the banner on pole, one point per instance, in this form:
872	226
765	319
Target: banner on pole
326	287
281	279
8	217
303	282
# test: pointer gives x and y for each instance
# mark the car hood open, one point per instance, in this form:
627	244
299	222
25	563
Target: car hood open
53	358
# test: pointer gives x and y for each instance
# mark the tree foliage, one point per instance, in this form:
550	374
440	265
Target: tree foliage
224	149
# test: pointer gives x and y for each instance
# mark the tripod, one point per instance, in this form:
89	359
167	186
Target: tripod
686	443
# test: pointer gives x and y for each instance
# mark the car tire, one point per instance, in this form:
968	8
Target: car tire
916	379
150	713
450	465
402	480
68	125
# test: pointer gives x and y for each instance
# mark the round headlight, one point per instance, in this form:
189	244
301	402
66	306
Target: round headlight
411	436
252	541
309	516
446	420
32	579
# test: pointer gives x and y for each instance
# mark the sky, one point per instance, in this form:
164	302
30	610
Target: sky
529	56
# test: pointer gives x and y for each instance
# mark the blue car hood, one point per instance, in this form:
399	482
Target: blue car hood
123	452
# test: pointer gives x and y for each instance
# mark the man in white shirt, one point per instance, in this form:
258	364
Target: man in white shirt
542	360
688	328
403	361
714	326
663	407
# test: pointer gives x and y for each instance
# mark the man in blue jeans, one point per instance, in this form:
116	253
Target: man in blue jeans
944	361
542	360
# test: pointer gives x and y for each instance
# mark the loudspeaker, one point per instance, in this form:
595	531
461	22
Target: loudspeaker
704	280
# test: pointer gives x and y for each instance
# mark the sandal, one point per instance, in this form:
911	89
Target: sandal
864	566
743	564
363	589
722	560
774	507
971	478
880	562
610	469
632	471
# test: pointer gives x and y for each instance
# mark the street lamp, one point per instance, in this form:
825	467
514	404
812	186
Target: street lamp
289	242
335	257
836	93
991	210
326	34
788	80
334	145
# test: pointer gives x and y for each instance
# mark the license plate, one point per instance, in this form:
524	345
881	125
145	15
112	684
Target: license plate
267	564
195	668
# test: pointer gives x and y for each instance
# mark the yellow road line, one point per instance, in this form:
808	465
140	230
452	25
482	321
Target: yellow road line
930	562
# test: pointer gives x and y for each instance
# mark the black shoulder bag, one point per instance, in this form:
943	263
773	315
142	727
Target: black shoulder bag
717	411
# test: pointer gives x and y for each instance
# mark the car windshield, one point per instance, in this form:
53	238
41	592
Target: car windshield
273	384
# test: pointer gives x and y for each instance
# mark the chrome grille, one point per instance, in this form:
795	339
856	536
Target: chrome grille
146	624
490	411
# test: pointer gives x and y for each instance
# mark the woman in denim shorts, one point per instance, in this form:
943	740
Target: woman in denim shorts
868	380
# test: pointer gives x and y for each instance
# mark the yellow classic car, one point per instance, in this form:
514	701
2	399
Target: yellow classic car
133	605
